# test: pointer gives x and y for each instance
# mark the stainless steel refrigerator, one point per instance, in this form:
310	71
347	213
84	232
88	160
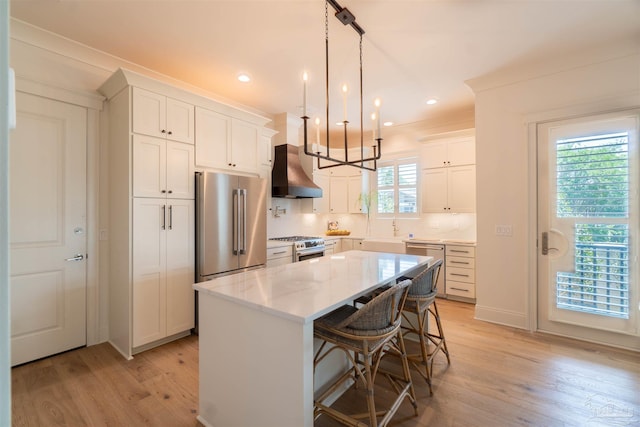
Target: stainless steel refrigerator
231	224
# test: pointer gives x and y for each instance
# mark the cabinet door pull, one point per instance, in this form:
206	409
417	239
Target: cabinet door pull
460	289
461	275
170	217
459	262
458	251
278	253
164	217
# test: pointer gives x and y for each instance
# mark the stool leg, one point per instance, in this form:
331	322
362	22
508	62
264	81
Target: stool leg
423	316
407	373
441	332
371	405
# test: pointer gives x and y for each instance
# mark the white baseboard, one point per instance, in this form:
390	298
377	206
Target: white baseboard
502	317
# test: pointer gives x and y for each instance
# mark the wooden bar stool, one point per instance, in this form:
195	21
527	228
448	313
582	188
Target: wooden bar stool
420	303
365	335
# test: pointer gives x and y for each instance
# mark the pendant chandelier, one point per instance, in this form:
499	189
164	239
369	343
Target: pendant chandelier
370	162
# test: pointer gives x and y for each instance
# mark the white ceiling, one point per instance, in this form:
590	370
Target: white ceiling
413	49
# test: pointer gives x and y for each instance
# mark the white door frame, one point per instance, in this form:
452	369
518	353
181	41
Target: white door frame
97	322
531	121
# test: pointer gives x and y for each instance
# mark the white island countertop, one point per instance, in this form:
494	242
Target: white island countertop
304	291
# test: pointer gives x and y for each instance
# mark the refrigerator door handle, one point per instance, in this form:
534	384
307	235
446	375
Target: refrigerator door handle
243	223
235	217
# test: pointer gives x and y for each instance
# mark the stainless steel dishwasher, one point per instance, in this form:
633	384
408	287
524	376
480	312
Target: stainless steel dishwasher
437	252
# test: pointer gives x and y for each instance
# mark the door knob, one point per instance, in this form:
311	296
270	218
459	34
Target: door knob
78	257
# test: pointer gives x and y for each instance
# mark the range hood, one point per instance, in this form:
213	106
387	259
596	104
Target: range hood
288	179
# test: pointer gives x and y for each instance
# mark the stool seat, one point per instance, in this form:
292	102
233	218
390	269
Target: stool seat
365	335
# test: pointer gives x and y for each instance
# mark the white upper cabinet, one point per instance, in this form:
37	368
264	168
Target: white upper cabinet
449	190
162	117
213	137
244	146
162	168
345	190
449	174
223	142
454	152
321	204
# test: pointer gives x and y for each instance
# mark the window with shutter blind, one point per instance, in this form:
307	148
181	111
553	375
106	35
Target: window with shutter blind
592	182
397	187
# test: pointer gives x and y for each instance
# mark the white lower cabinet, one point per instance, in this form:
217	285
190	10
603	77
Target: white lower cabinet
279	255
460	271
163	268
351	244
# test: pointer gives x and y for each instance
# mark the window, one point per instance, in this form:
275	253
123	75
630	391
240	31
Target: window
398	187
592	186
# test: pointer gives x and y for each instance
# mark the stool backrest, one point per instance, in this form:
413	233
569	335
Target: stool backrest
382	312
425	282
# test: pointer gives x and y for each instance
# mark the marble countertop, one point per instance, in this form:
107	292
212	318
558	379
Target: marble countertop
304	291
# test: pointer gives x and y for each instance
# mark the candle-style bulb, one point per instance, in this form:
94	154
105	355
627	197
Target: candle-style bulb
373	131
377	103
304	93
345	89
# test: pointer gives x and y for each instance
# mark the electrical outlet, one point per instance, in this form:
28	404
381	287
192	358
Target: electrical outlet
504	230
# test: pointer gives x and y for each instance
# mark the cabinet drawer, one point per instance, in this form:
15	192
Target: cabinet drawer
462	251
458	274
461	289
456	261
280	252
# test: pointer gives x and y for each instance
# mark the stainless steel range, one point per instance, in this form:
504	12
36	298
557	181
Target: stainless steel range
304	247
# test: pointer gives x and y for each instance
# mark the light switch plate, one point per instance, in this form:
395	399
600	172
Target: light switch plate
504	230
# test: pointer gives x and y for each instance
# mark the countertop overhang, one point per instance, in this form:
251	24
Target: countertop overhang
304	291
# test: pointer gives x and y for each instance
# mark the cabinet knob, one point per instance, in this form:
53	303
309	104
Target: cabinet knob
163	191
170	133
229	164
163	131
170	191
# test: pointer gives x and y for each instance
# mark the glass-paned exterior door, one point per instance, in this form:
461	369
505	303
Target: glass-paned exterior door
588	226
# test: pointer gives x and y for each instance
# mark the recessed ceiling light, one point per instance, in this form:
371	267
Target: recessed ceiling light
432	101
244	77
388	123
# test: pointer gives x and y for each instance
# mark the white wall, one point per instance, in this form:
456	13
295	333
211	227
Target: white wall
5	350
505	266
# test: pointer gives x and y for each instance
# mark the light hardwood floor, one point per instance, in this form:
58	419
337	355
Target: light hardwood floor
498	376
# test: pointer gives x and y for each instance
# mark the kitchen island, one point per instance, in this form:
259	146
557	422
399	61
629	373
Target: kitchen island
256	334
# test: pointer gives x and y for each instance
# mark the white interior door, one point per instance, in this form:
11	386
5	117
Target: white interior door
47	228
588	228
